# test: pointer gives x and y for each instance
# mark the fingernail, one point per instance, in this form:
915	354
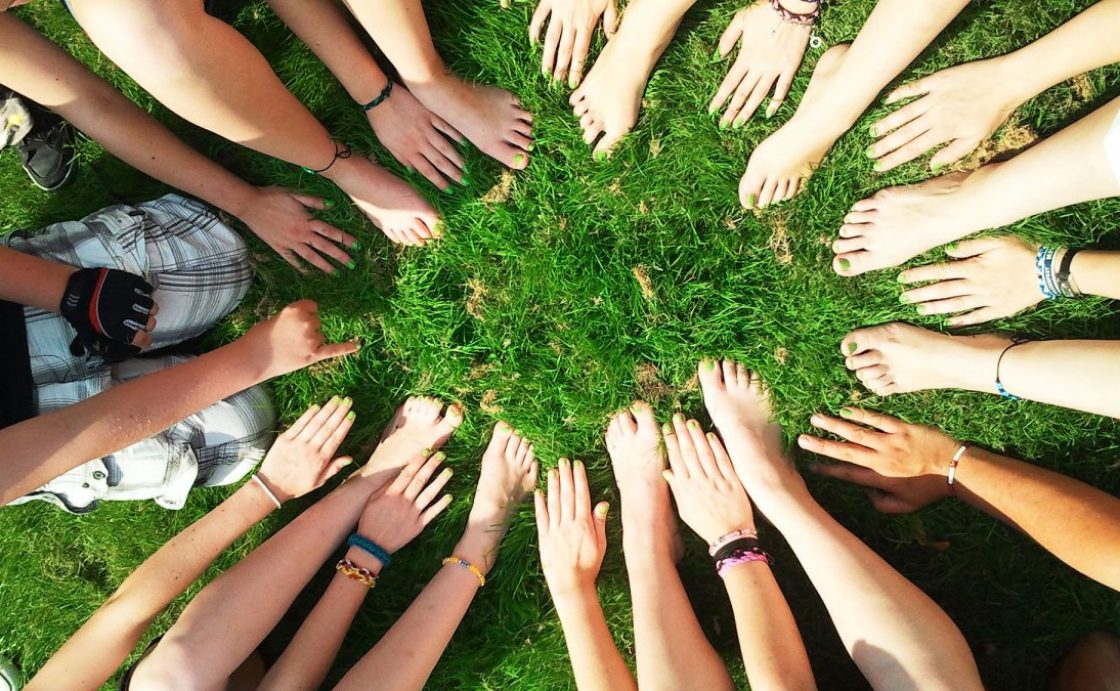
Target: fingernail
335	400
772	108
347	401
552	473
901	277
845	264
579	464
692	424
447	190
351	415
426	452
815	420
328	203
723	124
601	510
350	264
447	472
802	440
679	417
922	309
466	181
904	298
531	146
871	131
738	123
572	82
600	156
357	245
439	456
564	463
880	167
716	57
869	152
712	109
936	167
852	347
666	428
845	412
519	159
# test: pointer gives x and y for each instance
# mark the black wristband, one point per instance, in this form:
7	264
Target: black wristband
1065	286
743	544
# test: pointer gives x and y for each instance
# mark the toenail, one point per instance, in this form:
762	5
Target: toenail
844	264
328	203
447	190
519	159
846	412
709	364
852	347
600	156
357	245
751	199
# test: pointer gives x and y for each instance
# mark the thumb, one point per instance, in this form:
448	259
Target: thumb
601	511
971	248
333	350
610	19
335	467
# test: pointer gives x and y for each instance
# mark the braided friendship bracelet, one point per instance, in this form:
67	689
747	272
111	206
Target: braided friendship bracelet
742	557
371	548
356	573
1044	269
340	151
804	19
381	97
269	492
459	561
723	540
956	461
742	544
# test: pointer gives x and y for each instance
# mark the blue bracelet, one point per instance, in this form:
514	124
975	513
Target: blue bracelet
370	547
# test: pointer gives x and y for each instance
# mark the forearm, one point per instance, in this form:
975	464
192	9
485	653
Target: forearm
1095	272
40	70
322	26
31	281
596	662
232	615
892	630
44	447
1077	523
648	26
309	656
405	657
1086	42
92	655
1081	375
773	652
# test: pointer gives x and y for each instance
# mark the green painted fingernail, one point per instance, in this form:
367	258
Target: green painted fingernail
328	203
357	245
600	156
871	130
350	264
440	455
447	190
901	277
716	57
351	415
845	412
335	400
904	298
852	347
880	167
845	264
869	152
935	167
723	124
572	82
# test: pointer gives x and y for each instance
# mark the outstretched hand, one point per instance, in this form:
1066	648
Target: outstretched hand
710	497
992	278
291	340
302	457
573	539
393	518
959	107
770	52
902	465
571	24
281	218
418	138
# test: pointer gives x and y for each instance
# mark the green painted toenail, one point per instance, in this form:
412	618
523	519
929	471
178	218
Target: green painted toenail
846	412
845	264
852	347
447	190
709	364
328	203
600	156
750	200
530	147
519	159
356	246
465	181
350	264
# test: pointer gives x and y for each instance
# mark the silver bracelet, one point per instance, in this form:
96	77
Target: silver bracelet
273	497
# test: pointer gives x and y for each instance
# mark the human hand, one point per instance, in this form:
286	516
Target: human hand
112	312
302	457
394	517
280	217
769	54
890	447
960	106
291	340
572	538
571	24
993	278
710	497
418	138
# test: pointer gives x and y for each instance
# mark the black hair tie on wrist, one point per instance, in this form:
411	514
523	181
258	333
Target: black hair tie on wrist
743	544
339	152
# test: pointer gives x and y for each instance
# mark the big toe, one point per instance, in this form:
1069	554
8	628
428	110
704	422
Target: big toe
452	417
500	436
643	415
750	187
866	339
710	373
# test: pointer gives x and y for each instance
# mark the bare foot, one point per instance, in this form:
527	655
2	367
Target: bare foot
899	223
491	118
394	207
780	165
739	405
899	358
638	459
420	426
608	101
509	473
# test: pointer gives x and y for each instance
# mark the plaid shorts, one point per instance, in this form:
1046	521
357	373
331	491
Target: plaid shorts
200	270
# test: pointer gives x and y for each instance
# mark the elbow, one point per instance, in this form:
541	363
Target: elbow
169	667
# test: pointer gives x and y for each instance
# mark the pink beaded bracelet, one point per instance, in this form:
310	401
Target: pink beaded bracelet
743	558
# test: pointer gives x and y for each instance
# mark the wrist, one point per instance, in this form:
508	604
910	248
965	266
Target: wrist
365	560
271	491
571	592
479	545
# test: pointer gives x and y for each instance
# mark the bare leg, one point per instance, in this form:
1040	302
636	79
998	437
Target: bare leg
894	34
672	652
900	223
492	119
208	73
1092	665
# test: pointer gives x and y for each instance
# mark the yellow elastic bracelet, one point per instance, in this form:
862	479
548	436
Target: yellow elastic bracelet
468	566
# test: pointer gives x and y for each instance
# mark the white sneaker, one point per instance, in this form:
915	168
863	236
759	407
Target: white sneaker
9	676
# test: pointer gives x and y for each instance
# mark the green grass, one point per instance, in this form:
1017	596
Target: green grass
529	311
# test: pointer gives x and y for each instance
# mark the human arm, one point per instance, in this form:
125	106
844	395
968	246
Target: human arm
712	501
415	136
33	66
32	281
44	447
963	105
291	468
391	520
1049	507
571	26
573	541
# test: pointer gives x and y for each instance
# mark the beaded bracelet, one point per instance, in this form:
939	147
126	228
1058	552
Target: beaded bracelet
723	540
999	382
1044	270
371	548
468	566
357	573
1063	277
380	98
742	544
805	19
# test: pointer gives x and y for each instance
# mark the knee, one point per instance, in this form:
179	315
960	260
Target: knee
236	433
1091	665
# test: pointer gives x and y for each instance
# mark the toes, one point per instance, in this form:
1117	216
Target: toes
730	372
868	204
626	421
519	140
853	263
501	435
849	230
846	245
453	416
710	373
766	196
750	187
865	340
592	132
742	374
643	415
514	157
863	360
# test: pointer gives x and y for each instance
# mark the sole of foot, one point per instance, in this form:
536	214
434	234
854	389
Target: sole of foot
638	458
421	425
897	224
608	100
900	358
490	118
780	166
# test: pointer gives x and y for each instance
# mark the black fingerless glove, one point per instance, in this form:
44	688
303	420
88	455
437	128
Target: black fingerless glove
106	307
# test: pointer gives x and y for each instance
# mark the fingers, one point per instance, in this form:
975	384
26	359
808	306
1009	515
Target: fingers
333	350
707	459
601	511
849	473
541	512
933	272
448	130
335	468
871	418
914	149
335	235
730	36
781	90
564	53
977	316
429	493
727	87
953	152
309	255
851	432
551	45
435	509
324	246
297	427
425	168
746	88
887	126
330	446
914	88
973	248
553	485
308	200
322	415
841	451
416	484
723	459
581	493
567	490
537	22
141	339
673	449
579	56
610	18
337	418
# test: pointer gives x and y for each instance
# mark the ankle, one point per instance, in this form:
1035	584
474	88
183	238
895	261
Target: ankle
975	361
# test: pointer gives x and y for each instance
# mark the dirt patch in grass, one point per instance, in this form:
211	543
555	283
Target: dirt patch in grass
499	193
649	385
478	293
641	274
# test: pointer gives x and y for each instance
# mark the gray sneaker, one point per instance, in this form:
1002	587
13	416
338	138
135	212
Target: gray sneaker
9	676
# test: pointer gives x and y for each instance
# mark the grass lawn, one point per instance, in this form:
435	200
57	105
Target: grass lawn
565	291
